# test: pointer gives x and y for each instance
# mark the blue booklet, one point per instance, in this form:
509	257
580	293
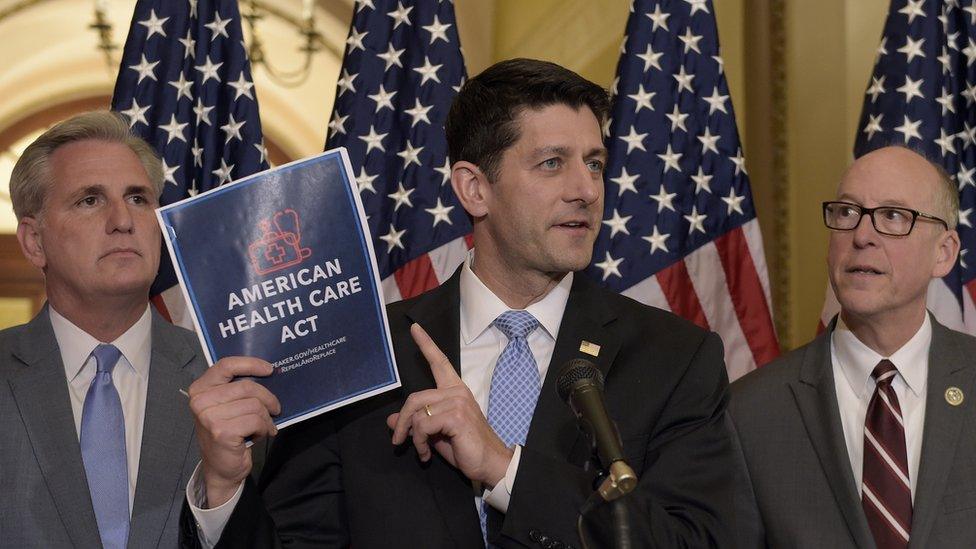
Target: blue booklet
280	266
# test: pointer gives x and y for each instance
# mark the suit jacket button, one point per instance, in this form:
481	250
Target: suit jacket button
558	545
535	535
544	541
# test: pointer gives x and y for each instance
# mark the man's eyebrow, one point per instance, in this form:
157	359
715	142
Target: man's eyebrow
597	151
87	190
138	189
558	150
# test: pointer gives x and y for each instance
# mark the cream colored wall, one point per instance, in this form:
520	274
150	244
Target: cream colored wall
829	56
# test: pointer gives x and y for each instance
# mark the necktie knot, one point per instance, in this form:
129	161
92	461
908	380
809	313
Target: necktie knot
106	357
516	324
884	372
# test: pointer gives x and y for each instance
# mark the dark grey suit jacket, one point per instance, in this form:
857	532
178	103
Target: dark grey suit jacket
44	499
802	488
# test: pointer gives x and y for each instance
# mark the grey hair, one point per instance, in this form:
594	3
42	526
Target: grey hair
31	176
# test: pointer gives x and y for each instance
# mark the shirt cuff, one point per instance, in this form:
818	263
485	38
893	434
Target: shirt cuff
501	495
210	522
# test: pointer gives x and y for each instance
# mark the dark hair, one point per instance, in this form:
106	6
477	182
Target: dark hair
481	124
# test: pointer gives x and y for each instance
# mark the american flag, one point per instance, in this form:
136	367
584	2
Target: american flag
921	94
185	85
680	229
402	68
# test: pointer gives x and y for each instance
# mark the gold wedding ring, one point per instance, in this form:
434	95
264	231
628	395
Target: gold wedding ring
427	409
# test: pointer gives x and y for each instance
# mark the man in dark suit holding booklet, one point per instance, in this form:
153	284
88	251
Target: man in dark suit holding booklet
476	447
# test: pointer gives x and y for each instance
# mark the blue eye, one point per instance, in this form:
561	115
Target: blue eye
595	166
551	164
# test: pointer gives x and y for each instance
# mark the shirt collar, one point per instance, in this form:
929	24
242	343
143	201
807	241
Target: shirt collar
480	307
76	344
857	360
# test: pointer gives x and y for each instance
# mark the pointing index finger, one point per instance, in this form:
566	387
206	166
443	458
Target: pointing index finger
444	373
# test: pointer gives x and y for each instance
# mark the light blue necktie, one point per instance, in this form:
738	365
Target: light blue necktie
103	451
514	386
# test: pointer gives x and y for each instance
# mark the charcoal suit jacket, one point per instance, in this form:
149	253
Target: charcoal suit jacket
801	490
336	480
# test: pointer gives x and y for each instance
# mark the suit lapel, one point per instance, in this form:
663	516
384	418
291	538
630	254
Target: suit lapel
167	435
438	312
949	366
40	390
816	399
554	428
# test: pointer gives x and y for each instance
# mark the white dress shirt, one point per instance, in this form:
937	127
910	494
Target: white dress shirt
130	376
853	362
481	345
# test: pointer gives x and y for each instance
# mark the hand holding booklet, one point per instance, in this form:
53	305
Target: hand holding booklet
280	266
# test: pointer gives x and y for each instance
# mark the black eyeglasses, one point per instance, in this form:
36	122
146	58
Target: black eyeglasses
887	220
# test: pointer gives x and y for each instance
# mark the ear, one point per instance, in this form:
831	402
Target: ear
947	251
471	187
29	236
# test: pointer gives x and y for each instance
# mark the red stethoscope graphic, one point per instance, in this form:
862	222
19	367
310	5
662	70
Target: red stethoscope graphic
280	245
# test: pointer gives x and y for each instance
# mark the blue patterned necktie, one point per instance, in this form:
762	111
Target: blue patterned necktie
103	451
514	386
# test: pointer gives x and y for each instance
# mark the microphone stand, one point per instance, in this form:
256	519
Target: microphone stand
620	482
621	524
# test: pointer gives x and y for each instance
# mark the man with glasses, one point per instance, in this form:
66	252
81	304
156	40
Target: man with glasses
866	436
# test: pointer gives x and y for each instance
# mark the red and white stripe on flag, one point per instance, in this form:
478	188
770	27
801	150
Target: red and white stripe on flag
723	286
427	271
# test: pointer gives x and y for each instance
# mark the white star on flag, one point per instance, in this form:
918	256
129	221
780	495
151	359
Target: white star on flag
174	129
610	266
401	197
643	99
437	30
136	114
625	182
440	212
428	71
401	15
242	87
617	223
383	98
154	25
208	70
696	220
218	27
634	140
393	239
659	18
657	241
145	69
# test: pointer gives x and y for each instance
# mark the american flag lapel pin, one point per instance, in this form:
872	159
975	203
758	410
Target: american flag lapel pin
591	349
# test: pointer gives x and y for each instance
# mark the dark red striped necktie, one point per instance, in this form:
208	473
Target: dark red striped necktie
886	493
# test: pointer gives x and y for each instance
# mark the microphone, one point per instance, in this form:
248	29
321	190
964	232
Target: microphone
580	384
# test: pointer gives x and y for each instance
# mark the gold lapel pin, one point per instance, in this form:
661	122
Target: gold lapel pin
954	396
591	349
